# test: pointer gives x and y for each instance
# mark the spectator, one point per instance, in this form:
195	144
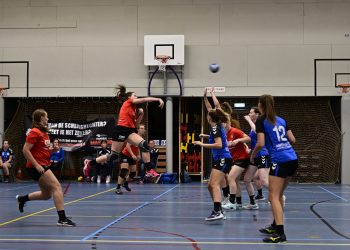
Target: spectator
6	159
154	152
56	158
107	165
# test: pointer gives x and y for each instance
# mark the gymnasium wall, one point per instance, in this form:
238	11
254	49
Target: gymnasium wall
86	47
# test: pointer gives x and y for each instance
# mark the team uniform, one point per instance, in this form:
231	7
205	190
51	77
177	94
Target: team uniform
222	159
126	122
238	152
126	156
5	154
40	151
262	159
283	157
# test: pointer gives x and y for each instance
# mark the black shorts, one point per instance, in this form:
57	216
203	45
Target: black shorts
126	159
262	161
243	163
223	164
34	174
121	133
284	169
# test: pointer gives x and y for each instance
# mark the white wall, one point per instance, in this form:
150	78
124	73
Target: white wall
86	47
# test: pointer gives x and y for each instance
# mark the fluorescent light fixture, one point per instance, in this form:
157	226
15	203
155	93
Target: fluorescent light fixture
239	105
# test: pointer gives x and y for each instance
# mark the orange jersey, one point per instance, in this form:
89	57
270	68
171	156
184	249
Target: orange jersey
127	114
238	152
134	149
41	147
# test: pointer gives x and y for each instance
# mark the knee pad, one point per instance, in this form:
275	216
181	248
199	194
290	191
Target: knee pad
143	145
148	166
132	175
124	172
113	156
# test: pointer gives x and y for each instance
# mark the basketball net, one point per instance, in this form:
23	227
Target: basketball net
2	92
162	61
344	89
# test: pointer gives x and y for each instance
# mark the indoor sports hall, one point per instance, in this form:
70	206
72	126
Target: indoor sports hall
79	78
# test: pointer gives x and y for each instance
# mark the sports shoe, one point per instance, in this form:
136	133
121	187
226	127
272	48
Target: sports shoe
118	191
251	206
275	238
126	186
268	230
66	223
230	206
214	216
87	167
20	204
225	200
99	179
259	197
108	179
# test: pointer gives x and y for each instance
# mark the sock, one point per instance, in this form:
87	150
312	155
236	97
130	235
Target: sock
280	229
23	198
217	206
252	200
126	183
232	198
260	192
239	199
118	186
61	214
226	191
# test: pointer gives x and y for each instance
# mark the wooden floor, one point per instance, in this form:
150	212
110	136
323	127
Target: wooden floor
157	216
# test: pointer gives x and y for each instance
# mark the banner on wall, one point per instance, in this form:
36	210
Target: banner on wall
74	135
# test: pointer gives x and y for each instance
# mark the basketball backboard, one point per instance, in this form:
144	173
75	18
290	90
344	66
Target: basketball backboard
164	45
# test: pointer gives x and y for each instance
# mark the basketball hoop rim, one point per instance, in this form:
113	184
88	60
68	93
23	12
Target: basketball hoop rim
162	58
345	87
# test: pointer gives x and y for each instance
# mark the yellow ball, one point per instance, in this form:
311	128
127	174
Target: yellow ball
80	178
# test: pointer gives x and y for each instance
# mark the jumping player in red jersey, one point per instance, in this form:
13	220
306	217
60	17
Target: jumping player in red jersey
37	152
125	131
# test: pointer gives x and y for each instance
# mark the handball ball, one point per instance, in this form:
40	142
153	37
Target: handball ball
214	67
80	178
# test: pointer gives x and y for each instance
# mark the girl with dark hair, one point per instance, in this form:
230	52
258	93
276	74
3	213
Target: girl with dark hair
274	133
37	152
222	159
262	160
125	131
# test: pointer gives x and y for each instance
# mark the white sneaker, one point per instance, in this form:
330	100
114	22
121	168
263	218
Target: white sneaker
229	206
251	206
108	179
215	216
99	179
225	200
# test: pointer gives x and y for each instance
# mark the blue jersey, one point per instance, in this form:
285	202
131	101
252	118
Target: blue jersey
224	152
276	140
5	154
253	140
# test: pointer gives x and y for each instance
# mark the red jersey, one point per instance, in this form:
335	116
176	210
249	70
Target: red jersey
127	114
41	147
134	149
238	152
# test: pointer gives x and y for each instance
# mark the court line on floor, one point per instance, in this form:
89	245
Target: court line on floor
20	187
333	194
174	242
51	208
125	215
